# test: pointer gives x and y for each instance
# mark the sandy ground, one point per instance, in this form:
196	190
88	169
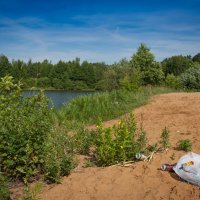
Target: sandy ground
180	112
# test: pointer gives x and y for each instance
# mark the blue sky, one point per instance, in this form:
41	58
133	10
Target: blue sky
98	31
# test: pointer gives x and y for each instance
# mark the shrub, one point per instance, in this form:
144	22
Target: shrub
59	159
153	75
4	191
191	78
24	128
172	81
119	143
185	145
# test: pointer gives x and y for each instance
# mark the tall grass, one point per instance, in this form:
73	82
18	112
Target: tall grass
107	105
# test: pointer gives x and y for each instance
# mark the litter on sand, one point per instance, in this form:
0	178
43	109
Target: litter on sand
187	168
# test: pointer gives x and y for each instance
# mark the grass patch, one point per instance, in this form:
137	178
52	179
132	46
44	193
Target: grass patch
106	105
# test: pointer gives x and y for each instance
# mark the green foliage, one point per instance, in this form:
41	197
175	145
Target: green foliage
165	139
151	71
25	124
196	58
191	78
109	81
107	105
172	81
84	140
4	190
131	82
176	65
85	76
4	66
119	143
143	58
185	145
153	75
142	142
59	159
28	144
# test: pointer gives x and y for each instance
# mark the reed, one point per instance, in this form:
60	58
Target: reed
107	105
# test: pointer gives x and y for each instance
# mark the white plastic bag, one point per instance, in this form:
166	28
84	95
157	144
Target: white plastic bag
188	168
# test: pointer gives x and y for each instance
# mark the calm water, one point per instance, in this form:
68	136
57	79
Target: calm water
58	98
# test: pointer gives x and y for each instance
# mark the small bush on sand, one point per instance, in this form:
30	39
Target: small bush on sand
119	143
185	145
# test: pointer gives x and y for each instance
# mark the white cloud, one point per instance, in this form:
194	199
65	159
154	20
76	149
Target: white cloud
100	37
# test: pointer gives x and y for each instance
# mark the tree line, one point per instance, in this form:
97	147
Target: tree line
141	69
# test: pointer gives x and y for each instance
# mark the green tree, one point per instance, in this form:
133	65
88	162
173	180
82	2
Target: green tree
144	61
153	75
176	65
191	77
109	81
196	58
4	66
18	69
172	81
143	58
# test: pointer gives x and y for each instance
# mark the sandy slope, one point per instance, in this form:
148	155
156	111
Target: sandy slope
180	112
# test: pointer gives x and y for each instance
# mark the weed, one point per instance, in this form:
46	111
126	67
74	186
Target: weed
119	144
153	147
185	145
142	142
88	163
4	190
32	193
165	139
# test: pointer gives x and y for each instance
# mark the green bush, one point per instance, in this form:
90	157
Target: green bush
153	75
59	158
24	128
119	143
172	81
185	145
4	190
191	78
28	144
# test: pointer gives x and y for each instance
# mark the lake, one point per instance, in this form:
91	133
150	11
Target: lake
58	98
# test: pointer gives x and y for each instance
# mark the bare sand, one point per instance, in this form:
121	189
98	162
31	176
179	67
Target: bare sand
180	112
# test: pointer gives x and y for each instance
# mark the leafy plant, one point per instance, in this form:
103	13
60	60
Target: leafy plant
172	81
165	139
185	145
4	190
190	79
142	141
117	144
59	159
24	128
